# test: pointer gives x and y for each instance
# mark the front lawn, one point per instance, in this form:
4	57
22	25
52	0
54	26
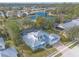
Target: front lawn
27	52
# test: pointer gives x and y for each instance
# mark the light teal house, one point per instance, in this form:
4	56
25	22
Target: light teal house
38	39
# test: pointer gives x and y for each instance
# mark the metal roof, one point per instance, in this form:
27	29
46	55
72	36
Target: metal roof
69	24
32	37
38	37
25	31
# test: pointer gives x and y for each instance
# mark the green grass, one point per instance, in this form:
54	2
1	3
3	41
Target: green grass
27	52
13	25
73	45
65	42
58	55
10	43
13	30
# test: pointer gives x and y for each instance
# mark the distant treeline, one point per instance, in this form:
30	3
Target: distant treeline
37	4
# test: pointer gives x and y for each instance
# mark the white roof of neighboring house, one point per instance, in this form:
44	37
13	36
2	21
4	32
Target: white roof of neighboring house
9	52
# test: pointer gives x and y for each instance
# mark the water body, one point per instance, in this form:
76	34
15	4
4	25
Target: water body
37	14
41	14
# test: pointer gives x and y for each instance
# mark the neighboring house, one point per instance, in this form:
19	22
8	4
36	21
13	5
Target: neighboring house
24	14
13	13
9	52
2	43
6	52
19	14
10	13
38	39
1	14
68	25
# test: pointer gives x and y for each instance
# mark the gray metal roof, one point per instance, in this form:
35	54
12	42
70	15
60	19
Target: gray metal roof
69	24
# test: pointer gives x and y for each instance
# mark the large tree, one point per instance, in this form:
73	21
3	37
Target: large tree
73	33
40	22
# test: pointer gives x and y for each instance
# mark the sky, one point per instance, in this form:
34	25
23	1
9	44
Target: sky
35	1
52	0
13	1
